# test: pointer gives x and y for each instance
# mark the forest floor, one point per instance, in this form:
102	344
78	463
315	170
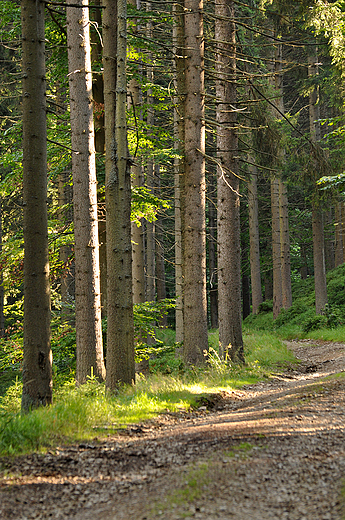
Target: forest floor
273	450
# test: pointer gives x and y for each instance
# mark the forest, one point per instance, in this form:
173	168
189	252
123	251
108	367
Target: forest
172	203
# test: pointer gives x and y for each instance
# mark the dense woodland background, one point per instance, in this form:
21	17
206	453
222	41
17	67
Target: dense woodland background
227	119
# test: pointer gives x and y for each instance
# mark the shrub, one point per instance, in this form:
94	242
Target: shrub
266	306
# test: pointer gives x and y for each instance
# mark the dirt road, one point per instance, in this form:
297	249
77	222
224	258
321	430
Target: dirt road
274	450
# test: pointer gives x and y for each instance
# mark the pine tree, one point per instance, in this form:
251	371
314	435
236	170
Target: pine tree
37	363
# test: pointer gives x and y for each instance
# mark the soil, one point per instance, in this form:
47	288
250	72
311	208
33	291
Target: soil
274	450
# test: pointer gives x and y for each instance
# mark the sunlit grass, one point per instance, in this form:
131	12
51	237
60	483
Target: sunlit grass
336	334
88	411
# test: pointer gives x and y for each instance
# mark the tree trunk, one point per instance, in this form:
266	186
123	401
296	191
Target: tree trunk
212	246
138	276
37	362
160	262
64	201
228	230
304	269
180	87
329	241
193	205
245	296
339	251
285	246
65	217
254	239
228	210
276	255
102	238
97	85
342	220
319	261
87	280
317	217
150	226
120	334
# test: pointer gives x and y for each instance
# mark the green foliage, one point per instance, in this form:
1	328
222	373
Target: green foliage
166	361
266	306
331	318
145	205
300	319
314	322
328	18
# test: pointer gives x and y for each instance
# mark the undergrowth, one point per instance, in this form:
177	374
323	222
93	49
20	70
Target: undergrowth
300	320
88	411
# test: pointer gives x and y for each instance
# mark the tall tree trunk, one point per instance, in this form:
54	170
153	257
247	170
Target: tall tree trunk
194	187
180	87
317	216
329	241
339	251
228	211
120	334
87	280
285	246
212	246
276	254
245	296
319	261
342	221
285	263
160	262
97	85
150	226
138	276
65	217
254	238
304	271
64	201
37	363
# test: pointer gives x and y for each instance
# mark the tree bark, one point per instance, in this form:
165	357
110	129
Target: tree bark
339	251
317	217
194	187
285	246
212	247
160	261
87	280
254	239
37	362
120	333
319	261
180	87
138	276
228	210
329	241
150	226
276	257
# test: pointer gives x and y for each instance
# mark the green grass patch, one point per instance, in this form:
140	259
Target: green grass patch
88	411
194	481
242	450
267	350
337	334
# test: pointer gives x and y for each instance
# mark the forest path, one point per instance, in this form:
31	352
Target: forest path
274	450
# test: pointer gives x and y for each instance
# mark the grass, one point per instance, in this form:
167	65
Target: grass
87	412
301	321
